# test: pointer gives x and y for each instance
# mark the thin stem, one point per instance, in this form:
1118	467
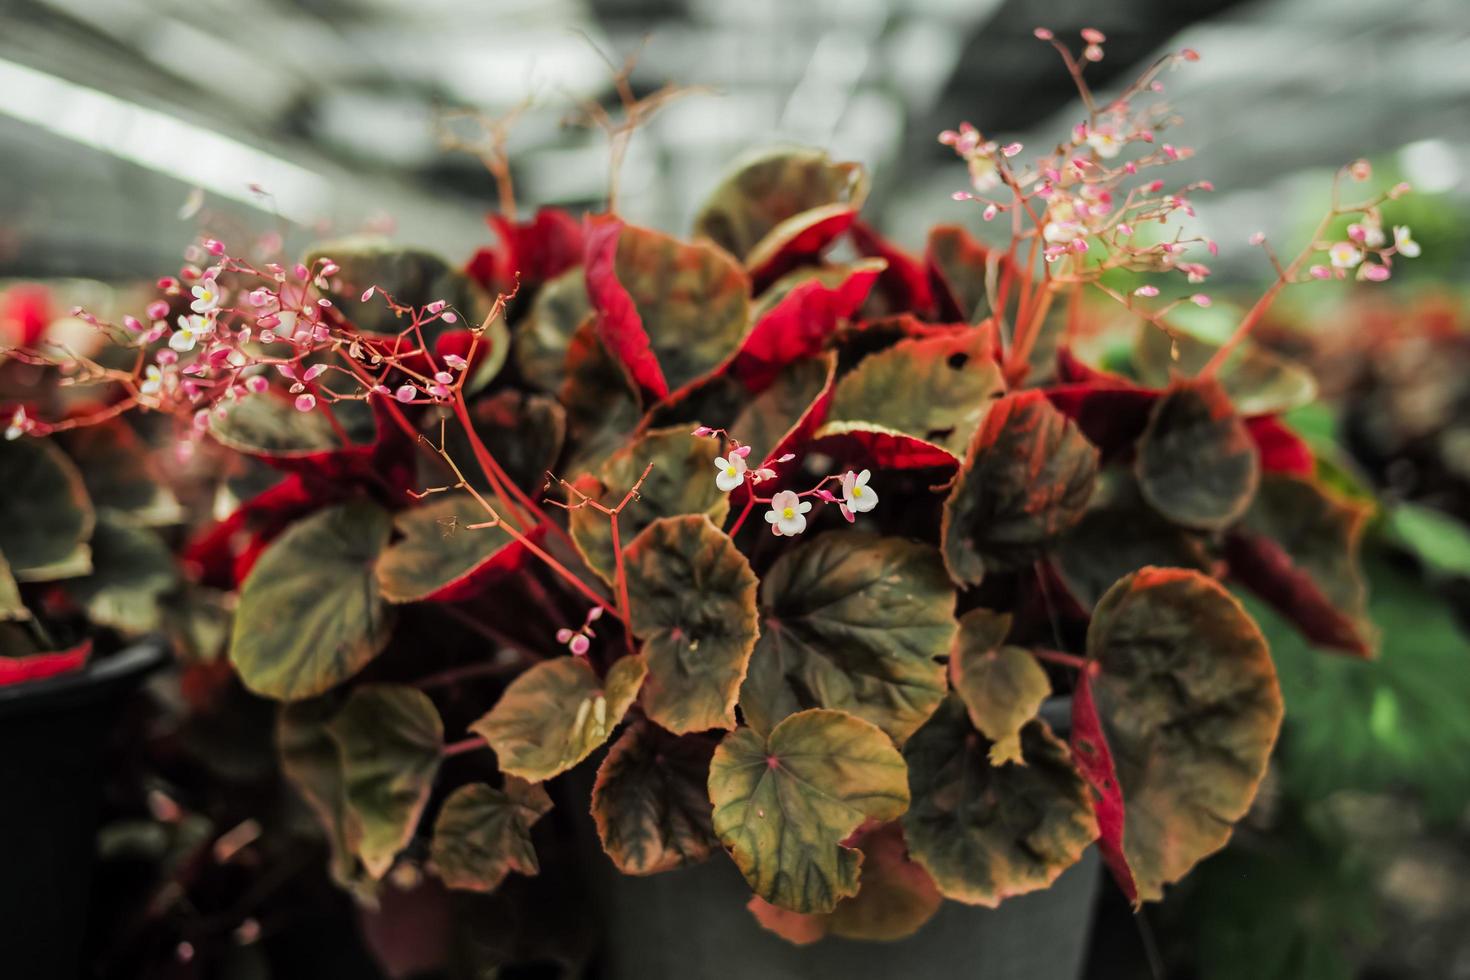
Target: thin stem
1064	659
622	582
471	744
744	513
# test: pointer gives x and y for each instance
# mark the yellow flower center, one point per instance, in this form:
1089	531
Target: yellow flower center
729	471
788	513
857	491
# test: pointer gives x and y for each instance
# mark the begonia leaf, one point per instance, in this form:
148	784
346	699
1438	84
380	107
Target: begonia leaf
543	337
1197	464
691	595
1190	708
46	516
310	613
794	318
390	737
412	277
854	622
1298	549
1095	762
904	285
1002	687
988	832
682	481
651	800
483	833
311	760
1026	478
785	802
12	607
670	311
769	416
439	556
132	569
37	666
1257	381
120	473
602	403
936	389
959	269
782	207
523	432
554	715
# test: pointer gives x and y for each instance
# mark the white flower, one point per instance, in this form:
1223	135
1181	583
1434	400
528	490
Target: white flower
857	496
18	425
153	380
192	329
731	472
788	514
1062	232
984	174
1404	243
1104	143
206	296
1344	255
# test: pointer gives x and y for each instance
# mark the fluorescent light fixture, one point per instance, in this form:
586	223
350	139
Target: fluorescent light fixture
1431	165
161	142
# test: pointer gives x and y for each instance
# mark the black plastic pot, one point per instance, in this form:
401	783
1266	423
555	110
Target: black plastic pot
53	736
692	924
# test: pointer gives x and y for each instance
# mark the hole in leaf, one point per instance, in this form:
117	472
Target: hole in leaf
957	360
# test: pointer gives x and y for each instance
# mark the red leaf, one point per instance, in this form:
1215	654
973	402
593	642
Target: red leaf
224	553
800	433
905	283
958	269
38	666
540	249
862	443
618	323
798	325
1095	762
512	558
25	313
1111	415
802	247
1073	370
1282	450
1267	570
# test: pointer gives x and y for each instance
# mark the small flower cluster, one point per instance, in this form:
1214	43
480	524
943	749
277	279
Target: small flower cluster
1366	240
788	508
579	640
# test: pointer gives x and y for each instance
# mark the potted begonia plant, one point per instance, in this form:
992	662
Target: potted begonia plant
804	564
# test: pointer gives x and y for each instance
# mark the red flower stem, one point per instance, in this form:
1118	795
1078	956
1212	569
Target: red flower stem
471	744
622	581
749	506
1064	659
487	462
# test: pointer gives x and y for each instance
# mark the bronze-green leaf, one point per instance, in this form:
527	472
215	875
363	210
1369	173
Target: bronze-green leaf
46	517
132	569
691	595
1190	707
1002	686
523	432
988	832
1025	479
544	336
482	834
855	622
310	613
268	425
312	762
682	481
933	388
651	800
12	607
551	717
439	553
784	803
1197	464
602	403
771	197
1258	381
767	418
390	737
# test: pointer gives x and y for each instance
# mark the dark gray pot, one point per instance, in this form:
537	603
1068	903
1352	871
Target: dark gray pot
692	924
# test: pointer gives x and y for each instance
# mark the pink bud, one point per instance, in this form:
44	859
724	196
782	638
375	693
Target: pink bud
268	321
1259	238
214	246
381	390
741	451
405	393
1189	54
449	317
257	384
286	371
302	272
1375	273
826	495
703	431
1155	186
990	212
305	403
168	283
563	635
1093	52
1320	272
367	294
1200	299
313	372
1146	291
1125	229
435	306
786	457
330	268
133	323
1093	36
157	310
595	613
579	645
1043	34
456	362
1010	150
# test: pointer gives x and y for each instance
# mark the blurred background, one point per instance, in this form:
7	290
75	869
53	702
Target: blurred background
339	116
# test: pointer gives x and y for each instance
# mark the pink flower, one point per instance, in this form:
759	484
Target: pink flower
857	496
305	403
787	515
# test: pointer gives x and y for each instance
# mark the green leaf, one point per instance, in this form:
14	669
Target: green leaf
312	762
46	517
1257	381
1190	707
390	737
691	595
933	388
1002	687
682	481
1438	540
132	569
651	801
438	550
12	609
1119	534
551	717
1025	480
693	300
269	425
896	896
411	276
854	622
121	473
988	832
769	198
310	613
1197	464
963	266
544	336
482	834
770	415
523	432
602	404
784	803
